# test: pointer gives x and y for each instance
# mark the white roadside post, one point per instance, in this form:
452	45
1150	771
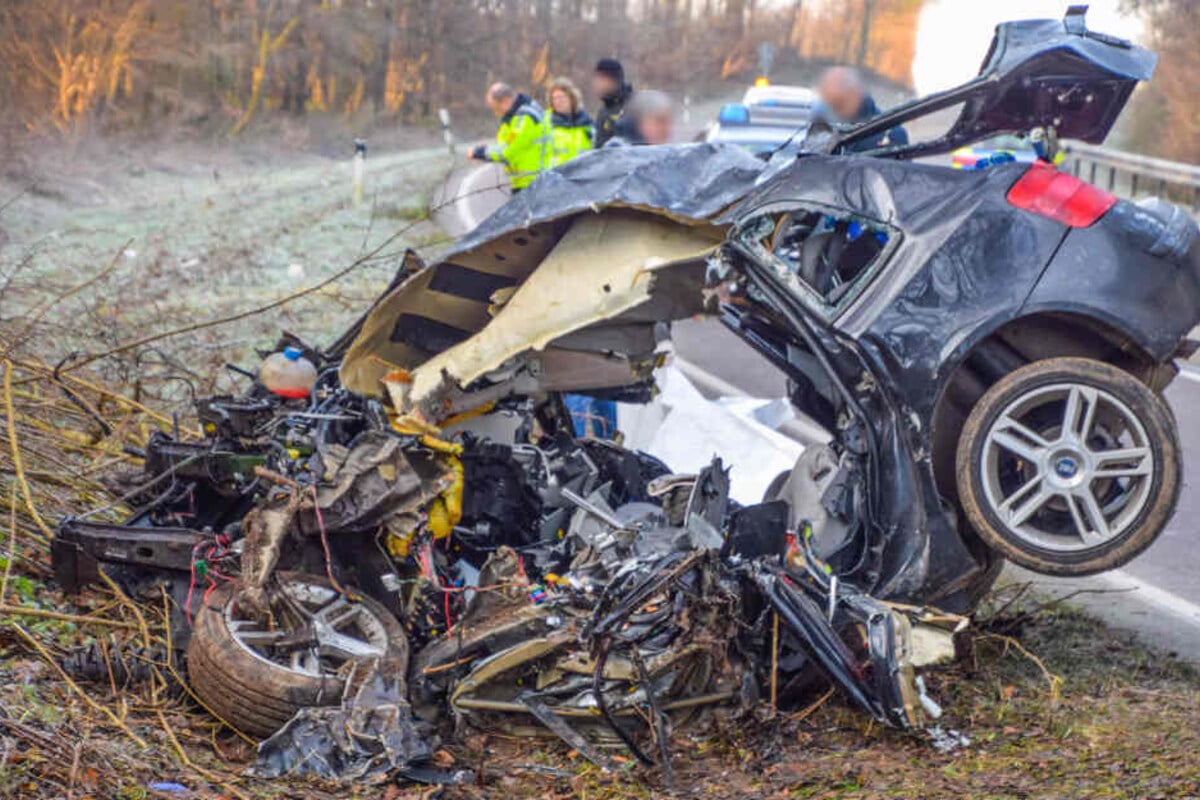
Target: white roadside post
447	134
359	167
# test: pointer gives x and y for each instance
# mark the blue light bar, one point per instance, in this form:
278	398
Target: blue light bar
734	114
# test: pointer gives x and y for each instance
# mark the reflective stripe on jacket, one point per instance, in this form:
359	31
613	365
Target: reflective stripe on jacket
566	137
518	142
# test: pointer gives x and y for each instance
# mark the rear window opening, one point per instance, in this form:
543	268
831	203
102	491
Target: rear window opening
831	254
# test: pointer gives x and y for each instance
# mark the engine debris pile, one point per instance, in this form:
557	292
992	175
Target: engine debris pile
348	590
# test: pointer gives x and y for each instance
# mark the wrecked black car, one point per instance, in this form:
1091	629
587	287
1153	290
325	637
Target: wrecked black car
420	541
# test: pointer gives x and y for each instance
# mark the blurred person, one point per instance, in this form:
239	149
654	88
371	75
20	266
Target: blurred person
842	92
649	119
608	82
518	141
568	128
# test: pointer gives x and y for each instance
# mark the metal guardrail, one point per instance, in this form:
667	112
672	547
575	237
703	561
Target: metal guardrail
1129	174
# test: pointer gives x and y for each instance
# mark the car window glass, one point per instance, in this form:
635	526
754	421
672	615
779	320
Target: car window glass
829	253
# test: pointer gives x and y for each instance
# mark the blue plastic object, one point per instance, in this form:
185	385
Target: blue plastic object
999	157
591	416
292	353
734	114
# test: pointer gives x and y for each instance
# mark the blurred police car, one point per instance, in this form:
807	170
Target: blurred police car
768	118
997	150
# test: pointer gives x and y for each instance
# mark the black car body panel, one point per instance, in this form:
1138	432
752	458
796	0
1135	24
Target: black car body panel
1114	272
966	263
961	263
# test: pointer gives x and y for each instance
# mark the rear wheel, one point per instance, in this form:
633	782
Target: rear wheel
256	678
1069	466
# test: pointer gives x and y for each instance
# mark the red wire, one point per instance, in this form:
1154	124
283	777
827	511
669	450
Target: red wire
325	546
187	605
211	585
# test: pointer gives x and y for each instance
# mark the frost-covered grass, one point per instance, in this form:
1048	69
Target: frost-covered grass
185	242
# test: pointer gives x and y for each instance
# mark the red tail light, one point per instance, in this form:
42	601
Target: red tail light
1060	196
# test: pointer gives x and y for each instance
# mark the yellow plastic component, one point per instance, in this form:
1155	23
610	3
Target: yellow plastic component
466	415
446	509
441	445
413	424
399	546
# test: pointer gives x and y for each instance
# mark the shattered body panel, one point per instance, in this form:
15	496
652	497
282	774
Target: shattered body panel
603	268
966	261
446	303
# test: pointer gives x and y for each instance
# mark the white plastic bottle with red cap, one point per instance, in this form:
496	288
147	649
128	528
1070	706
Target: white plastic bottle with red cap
288	374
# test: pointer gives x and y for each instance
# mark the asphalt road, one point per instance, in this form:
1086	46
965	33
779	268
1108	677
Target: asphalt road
1157	596
1173	562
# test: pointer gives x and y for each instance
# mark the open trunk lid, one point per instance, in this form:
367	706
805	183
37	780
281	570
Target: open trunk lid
1040	73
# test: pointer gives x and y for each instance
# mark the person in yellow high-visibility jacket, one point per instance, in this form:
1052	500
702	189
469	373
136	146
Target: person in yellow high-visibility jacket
568	128
519	145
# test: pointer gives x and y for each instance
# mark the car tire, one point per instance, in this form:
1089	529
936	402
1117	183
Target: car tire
254	695
1115	441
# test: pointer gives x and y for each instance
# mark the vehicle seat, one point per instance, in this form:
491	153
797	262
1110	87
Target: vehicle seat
819	258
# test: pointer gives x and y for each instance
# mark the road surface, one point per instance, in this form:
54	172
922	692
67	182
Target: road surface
1156	596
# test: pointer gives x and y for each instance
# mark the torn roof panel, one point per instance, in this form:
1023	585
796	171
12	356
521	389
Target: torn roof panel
686	182
601	268
448	302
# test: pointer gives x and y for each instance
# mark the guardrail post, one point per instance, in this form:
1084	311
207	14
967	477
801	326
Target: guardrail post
356	178
447	134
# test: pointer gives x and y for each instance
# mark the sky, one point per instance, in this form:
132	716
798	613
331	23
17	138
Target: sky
953	35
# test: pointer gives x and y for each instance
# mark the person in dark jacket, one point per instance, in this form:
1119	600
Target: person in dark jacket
842	91
649	119
608	82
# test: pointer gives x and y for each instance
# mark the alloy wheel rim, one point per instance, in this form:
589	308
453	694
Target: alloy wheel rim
341	632
1067	467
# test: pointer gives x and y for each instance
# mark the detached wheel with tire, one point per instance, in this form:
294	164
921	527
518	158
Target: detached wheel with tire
1069	466
256	679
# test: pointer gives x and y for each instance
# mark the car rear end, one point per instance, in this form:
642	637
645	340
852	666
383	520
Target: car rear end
1133	266
1070	462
